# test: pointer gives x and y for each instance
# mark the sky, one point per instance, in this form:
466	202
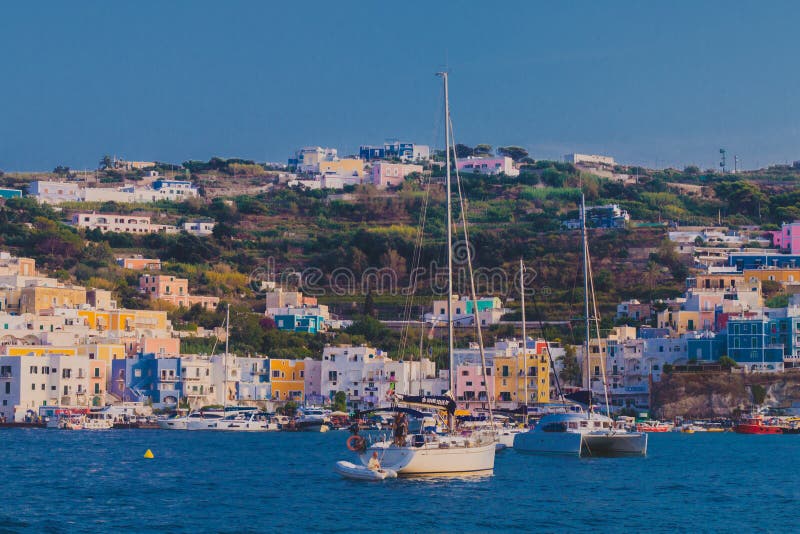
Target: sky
650	83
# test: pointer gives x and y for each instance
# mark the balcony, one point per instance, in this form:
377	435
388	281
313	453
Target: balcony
5	376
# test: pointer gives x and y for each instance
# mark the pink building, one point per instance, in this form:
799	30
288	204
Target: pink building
391	174
492	165
787	238
470	389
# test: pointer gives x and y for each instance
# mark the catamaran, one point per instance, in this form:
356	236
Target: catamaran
431	454
576	431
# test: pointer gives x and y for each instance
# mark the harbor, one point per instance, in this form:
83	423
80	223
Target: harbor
209	481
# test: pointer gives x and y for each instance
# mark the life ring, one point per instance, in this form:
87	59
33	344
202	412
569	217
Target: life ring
356	443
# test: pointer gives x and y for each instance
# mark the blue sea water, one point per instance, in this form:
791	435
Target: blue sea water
59	481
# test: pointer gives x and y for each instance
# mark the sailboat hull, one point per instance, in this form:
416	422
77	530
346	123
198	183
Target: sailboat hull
435	460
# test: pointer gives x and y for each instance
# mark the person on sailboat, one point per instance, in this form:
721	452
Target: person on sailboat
400	428
374	464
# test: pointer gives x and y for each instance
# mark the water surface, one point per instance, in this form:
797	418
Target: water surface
60	481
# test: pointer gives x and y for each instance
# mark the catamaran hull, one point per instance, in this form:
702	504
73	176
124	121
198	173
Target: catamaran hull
602	444
548	442
410	461
628	444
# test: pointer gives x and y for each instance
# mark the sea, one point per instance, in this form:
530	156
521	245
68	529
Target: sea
84	481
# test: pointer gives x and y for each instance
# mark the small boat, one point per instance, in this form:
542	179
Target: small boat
360	472
653	426
756	425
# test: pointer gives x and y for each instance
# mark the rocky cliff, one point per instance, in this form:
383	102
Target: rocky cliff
720	394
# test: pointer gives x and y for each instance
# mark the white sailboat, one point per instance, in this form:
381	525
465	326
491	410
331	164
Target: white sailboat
576	431
431	454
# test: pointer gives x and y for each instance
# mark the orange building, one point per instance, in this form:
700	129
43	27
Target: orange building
287	378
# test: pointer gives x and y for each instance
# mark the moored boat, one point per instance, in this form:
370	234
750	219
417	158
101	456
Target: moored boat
653	426
756	425
360	472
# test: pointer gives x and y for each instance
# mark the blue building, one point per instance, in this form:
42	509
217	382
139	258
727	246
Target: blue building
145	377
394	149
757	260
10	193
706	348
310	324
763	343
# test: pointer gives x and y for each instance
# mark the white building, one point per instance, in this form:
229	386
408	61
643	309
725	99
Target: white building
247	378
367	375
589	159
200	227
169	190
491	165
107	194
55	192
490	311
114	222
198	384
28	382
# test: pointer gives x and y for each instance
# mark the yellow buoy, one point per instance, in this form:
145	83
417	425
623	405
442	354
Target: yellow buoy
149	454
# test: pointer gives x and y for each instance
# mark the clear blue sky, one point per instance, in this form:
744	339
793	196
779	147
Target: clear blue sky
665	83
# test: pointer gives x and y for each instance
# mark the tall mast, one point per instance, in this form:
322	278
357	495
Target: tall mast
225	358
524	334
449	236
586	295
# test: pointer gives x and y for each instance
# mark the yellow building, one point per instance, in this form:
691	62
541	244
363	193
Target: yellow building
287	378
342	167
95	351
784	276
124	320
34	299
510	377
680	321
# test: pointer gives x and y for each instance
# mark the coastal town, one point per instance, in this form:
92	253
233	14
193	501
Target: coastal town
435	267
67	346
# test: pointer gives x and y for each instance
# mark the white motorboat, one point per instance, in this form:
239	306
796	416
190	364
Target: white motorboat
174	423
580	434
359	472
247	422
203	420
311	419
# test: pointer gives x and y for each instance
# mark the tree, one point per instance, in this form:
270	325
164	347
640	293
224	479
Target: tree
726	362
61	170
463	151
106	162
514	152
369	305
571	371
340	401
759	394
483	150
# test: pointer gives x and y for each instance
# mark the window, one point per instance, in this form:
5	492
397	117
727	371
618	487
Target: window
276	374
33	387
66	373
8	388
464	373
97	372
469	383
